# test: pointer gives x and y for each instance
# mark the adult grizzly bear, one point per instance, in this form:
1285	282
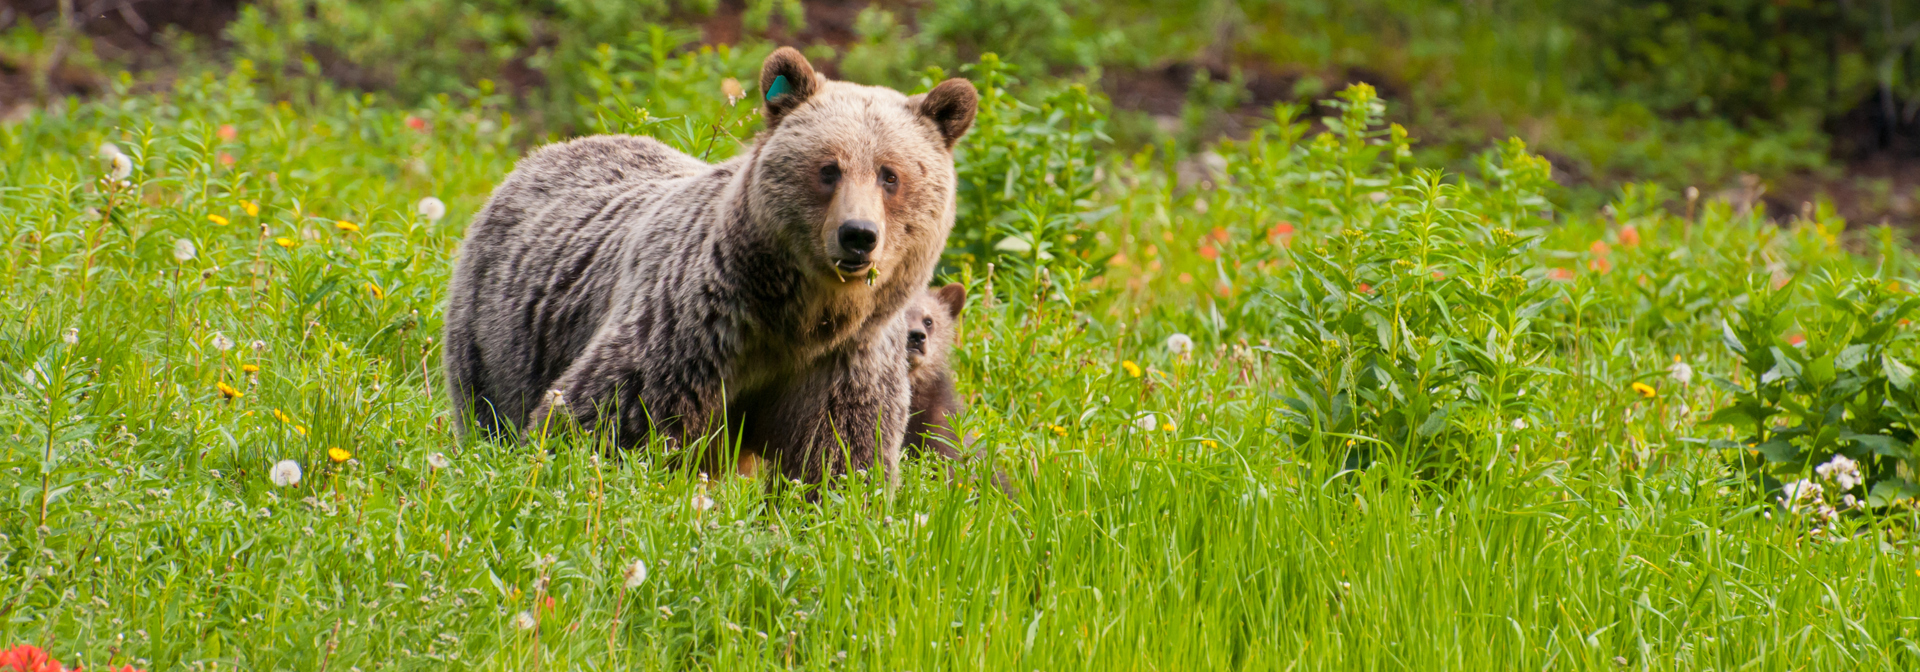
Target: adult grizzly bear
650	291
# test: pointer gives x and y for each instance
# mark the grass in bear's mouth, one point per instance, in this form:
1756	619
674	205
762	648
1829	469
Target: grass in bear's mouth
1328	412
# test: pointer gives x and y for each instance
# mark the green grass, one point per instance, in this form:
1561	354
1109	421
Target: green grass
1407	437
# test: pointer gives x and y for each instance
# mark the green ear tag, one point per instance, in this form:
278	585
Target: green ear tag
778	88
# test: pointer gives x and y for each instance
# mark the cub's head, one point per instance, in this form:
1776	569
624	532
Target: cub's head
858	179
931	318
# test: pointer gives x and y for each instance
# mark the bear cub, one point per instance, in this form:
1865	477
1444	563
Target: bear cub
932	318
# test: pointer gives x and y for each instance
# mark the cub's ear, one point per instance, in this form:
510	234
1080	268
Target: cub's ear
786	81
954	297
950	106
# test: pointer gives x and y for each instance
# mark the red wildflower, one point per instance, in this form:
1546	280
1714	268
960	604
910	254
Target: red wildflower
1207	252
1629	236
1796	339
418	124
28	658
227	133
1185	278
1437	275
1600	265
1220	234
226	159
1280	233
1599	248
1365	288
1560	274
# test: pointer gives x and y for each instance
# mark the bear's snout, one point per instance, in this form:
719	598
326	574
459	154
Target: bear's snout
917	341
857	238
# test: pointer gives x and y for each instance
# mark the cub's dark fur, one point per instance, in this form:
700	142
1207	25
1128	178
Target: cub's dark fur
617	283
931	322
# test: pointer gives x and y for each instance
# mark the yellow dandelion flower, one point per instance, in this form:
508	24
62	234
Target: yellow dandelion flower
1167	427
282	416
1132	368
339	454
286	242
300	429
346	226
374	290
1645	390
249	368
252	208
1209	443
218	220
227	390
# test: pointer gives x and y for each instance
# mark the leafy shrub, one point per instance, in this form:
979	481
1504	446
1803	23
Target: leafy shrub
1829	377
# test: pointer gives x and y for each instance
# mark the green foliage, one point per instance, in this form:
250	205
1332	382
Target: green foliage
1831	378
1169	376
1028	173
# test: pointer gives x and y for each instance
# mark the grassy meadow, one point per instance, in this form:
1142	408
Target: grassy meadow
1294	402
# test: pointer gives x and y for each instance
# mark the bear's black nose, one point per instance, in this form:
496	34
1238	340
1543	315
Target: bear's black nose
917	341
858	237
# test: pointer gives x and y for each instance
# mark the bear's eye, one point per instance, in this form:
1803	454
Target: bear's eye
830	174
889	179
928	322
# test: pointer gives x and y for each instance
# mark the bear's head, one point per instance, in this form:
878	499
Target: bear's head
931	320
859	180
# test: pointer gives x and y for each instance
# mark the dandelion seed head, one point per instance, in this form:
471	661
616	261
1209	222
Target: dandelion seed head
1146	422
109	150
285	473
183	250
1180	345
72	337
431	208
122	167
524	620
438	460
221	342
635	574
702	502
1680	372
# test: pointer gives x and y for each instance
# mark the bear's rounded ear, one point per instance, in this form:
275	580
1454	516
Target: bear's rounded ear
786	81
950	106
954	297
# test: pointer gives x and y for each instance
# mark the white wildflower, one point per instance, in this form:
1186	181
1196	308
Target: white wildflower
109	150
1797	494
438	460
556	399
1146	422
1180	345
122	167
285	473
258	346
702	502
1519	424
431	208
1849	501
636	574
183	251
524	620
1680	372
919	520
221	342
1843	471
72	337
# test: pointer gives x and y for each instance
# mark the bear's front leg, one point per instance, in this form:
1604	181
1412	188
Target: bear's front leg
846	414
627	384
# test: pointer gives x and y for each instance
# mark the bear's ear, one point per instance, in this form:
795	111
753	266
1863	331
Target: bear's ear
950	106
954	297
786	81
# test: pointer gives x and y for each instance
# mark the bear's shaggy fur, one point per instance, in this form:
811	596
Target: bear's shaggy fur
616	283
931	322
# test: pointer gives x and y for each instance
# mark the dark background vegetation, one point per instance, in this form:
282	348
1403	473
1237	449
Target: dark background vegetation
1799	100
